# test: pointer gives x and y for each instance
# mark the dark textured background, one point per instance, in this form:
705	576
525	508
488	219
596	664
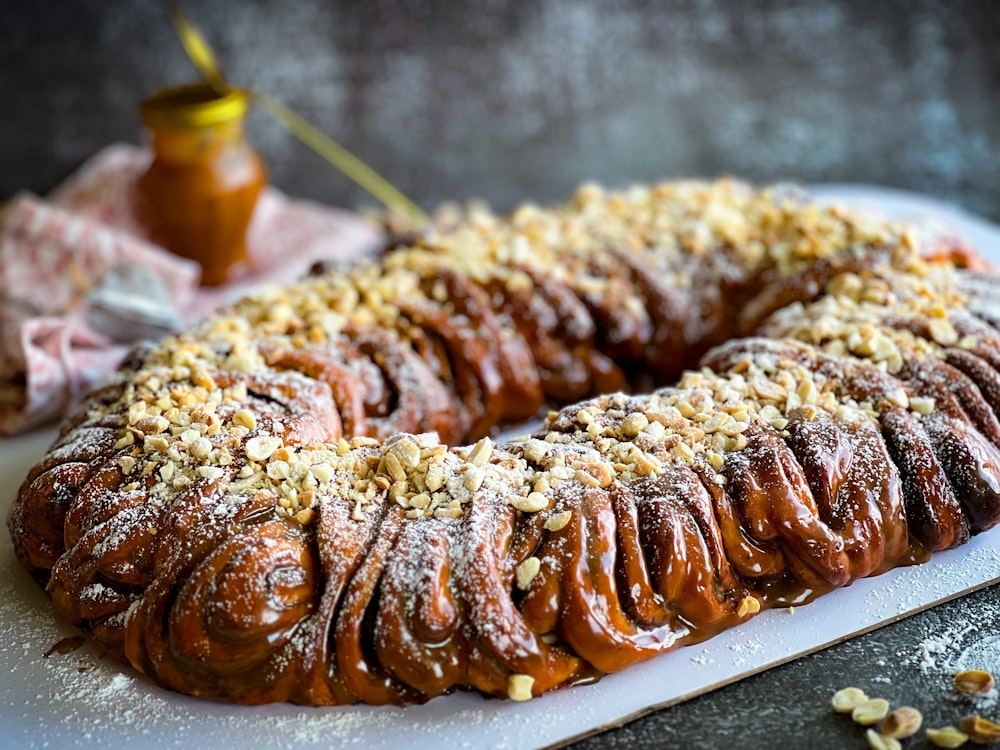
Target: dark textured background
511	100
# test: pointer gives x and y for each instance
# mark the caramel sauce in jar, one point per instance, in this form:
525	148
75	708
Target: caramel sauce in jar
199	192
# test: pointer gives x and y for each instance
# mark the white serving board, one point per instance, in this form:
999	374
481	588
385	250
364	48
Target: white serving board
51	703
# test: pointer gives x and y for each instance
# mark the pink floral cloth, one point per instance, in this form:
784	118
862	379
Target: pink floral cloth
54	251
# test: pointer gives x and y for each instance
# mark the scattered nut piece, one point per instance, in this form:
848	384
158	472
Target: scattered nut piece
968	342
156	443
902	722
870	712
878	741
981	731
200	377
519	686
974	682
749	605
899	397
948	737
846	700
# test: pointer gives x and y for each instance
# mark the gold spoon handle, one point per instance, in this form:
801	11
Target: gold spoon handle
204	60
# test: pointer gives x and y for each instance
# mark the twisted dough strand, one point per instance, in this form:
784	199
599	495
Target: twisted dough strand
259	509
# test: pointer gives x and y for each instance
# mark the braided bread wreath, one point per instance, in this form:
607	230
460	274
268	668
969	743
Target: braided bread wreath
266	507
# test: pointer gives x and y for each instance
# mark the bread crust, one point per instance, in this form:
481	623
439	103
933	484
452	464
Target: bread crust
275	505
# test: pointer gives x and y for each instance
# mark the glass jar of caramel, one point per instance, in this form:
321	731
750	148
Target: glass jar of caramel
199	192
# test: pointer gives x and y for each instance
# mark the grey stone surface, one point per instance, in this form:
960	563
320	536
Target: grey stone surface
514	100
911	662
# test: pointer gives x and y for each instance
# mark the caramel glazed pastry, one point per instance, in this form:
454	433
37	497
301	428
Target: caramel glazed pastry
271	506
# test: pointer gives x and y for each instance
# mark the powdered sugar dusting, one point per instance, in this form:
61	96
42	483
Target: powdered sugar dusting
50	702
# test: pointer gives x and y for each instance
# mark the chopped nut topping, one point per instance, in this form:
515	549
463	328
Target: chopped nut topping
125	440
943	332
210	472
435	478
278	470
200	448
534	502
480	453
395	467
473	480
260	448
634	423
152	425
586	478
245	418
406	452
156	443
185	412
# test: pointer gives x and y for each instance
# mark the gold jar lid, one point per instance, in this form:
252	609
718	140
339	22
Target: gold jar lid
193	106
